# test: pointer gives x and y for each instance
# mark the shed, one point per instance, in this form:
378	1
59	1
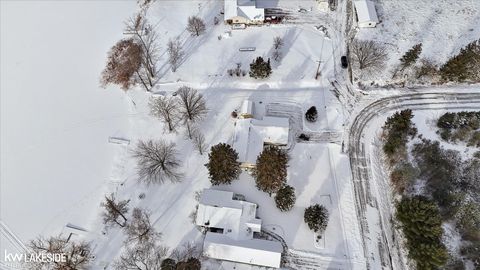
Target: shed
366	13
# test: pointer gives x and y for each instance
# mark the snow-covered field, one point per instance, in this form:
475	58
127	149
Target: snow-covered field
443	27
55	119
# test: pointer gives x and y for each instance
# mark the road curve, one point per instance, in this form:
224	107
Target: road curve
388	248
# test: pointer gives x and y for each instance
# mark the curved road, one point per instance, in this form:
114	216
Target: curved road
364	187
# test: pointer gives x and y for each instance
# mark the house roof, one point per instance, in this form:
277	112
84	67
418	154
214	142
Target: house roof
366	11
272	129
218	209
250	251
243	8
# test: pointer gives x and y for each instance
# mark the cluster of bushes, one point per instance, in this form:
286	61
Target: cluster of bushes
464	66
460	126
422	226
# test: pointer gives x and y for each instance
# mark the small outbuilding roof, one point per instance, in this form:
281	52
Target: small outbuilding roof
366	12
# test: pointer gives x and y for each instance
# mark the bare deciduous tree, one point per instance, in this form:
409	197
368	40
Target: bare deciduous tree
78	254
145	256
186	251
114	210
175	53
199	141
277	42
157	162
195	26
166	109
140	230
193	107
124	60
147	38
368	54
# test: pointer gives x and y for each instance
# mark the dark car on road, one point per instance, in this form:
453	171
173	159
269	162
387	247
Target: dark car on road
344	61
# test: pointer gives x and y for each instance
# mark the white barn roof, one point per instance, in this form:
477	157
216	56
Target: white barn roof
251	251
366	13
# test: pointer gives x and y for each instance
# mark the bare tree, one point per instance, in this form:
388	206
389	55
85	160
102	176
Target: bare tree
140	230
186	251
368	54
193	107
114	210
166	109
199	141
157	162
175	54
195	26
277	43
77	254
145	256
147	38
124	60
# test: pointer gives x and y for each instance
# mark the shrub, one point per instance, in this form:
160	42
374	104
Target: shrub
316	217
223	166
168	264
402	176
397	129
311	115
259	69
271	170
285	198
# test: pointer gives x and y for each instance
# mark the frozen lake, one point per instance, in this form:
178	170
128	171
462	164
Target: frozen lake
55	119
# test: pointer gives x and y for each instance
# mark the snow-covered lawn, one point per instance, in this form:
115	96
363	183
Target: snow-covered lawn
55	120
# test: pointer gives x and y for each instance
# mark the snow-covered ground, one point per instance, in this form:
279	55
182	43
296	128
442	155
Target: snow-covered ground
443	27
55	119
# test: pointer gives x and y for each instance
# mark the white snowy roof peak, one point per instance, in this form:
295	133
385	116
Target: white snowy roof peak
366	13
243	8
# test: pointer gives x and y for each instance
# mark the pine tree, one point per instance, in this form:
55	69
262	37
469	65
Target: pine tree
411	56
285	198
271	170
422	225
223	166
316	217
311	115
260	69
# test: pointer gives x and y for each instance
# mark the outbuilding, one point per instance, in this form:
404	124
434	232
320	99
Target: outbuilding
366	13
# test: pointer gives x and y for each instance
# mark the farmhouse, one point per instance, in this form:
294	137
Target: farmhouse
366	13
231	223
251	135
243	12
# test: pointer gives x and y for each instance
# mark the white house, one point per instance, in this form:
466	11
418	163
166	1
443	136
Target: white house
243	12
251	135
366	13
231	222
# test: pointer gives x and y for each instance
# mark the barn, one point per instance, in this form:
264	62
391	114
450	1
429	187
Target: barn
366	13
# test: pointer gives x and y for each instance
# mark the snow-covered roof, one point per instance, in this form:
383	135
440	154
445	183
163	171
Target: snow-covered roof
250	135
243	8
366	11
251	251
273	130
247	107
237	218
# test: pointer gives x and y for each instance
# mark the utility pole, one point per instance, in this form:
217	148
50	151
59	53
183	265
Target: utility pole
318	69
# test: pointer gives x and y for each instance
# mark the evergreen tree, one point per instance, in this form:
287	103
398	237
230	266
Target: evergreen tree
463	66
271	170
411	56
285	198
168	264
223	166
422	225
316	217
311	115
260	69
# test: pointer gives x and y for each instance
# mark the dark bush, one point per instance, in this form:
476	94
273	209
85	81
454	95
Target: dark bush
311	115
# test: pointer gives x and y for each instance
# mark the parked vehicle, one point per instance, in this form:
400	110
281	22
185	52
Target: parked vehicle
344	61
